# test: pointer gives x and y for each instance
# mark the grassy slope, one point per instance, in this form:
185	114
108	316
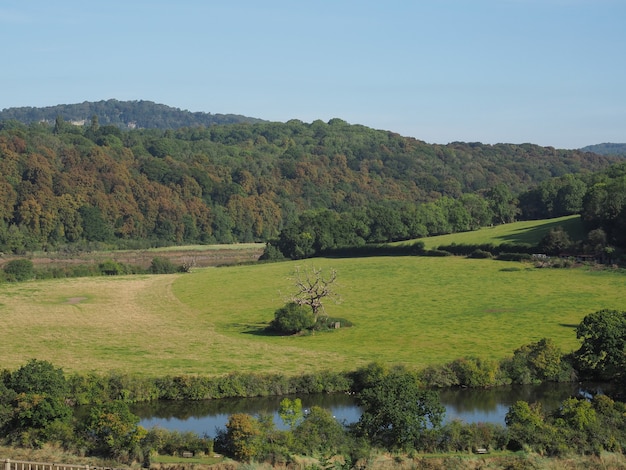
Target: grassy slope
410	310
530	231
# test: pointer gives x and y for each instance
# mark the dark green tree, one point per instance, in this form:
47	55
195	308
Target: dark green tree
39	377
95	227
292	318
40	396
502	203
19	270
555	242
319	434
397	411
602	354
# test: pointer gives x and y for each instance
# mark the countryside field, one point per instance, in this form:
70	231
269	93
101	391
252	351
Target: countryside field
410	310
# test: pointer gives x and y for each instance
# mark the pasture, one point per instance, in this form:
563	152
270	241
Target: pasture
406	310
528	231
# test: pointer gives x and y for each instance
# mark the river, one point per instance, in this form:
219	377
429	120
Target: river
469	405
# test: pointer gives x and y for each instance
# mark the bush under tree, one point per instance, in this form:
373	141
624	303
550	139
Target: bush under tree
292	318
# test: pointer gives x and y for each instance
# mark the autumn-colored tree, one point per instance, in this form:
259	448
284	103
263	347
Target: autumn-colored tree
243	436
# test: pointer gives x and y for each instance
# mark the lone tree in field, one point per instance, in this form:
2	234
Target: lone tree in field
313	288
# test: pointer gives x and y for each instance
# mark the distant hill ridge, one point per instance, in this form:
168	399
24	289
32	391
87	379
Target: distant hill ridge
606	149
125	114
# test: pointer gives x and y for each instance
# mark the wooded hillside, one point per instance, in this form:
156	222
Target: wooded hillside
606	149
123	114
63	183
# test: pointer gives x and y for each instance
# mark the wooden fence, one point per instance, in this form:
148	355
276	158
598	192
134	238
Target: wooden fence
8	464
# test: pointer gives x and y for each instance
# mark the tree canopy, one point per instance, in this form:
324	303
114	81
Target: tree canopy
312	187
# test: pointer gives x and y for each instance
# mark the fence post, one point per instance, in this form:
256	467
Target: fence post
7	464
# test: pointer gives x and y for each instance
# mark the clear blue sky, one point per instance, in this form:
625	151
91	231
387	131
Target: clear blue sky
550	72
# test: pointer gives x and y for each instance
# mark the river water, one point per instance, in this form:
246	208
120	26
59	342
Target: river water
469	405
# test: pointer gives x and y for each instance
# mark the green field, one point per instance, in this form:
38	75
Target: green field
529	231
410	310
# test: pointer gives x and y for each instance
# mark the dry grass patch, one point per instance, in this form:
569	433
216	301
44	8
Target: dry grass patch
131	324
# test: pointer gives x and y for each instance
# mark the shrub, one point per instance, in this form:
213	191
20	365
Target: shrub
514	257
271	253
161	265
292	318
111	268
437	253
19	270
480	254
319	433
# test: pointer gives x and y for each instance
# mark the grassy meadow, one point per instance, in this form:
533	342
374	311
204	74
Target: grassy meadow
528	231
410	310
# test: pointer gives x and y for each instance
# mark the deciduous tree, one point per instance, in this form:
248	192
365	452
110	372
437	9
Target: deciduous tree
313	288
397	411
603	350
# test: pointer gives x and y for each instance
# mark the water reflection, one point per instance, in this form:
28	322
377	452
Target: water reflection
469	405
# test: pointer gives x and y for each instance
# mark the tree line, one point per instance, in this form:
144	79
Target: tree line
99	186
122	114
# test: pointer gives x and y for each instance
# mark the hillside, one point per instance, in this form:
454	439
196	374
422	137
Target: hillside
124	114
63	184
606	149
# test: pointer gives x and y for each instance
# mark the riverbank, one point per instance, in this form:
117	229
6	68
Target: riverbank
378	461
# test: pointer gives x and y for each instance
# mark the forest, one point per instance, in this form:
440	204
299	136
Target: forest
100	186
123	114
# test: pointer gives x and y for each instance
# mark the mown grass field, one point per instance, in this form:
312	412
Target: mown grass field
410	310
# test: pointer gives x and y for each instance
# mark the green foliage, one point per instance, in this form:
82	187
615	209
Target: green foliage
607	148
457	436
166	442
319	434
577	426
322	186
475	372
555	242
538	362
115	113
396	411
271	253
112	430
290	412
577	414
602	353
38	411
604	205
160	265
292	318
39	392
18	270
114	268
94	225
39	377
480	254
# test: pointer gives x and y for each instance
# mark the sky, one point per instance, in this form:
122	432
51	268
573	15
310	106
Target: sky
548	72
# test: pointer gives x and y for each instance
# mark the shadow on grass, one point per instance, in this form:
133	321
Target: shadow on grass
568	325
533	236
257	330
